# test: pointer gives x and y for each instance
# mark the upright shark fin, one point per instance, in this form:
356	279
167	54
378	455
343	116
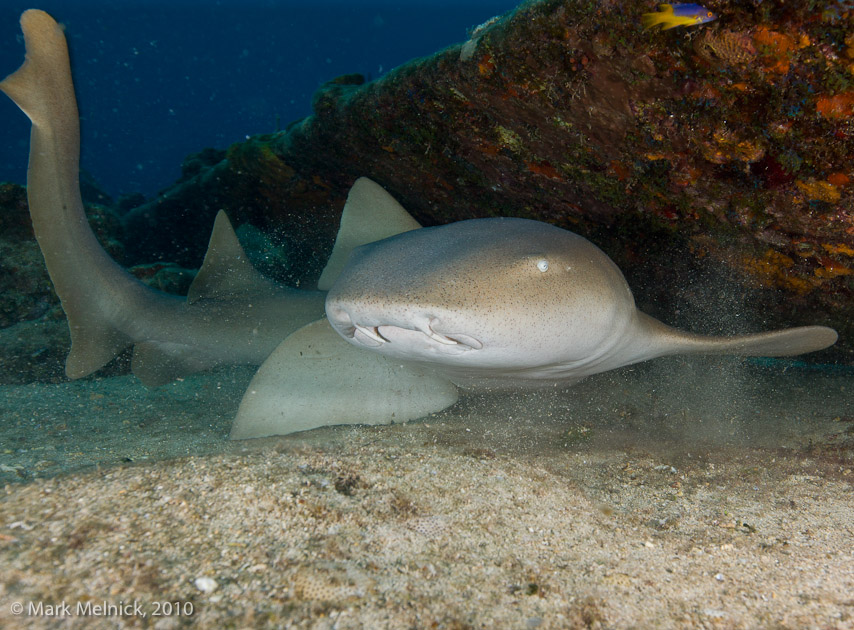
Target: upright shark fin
226	271
43	89
315	378
370	214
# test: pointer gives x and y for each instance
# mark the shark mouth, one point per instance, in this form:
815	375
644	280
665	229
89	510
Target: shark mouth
393	337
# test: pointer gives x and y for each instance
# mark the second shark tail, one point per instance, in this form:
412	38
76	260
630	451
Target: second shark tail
78	266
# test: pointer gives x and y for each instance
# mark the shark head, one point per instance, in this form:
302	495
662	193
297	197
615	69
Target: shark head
492	295
506	302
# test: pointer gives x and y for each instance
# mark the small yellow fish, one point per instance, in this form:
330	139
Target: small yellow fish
673	15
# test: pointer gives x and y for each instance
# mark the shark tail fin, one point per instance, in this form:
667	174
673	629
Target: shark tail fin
370	214
661	340
44	77
43	89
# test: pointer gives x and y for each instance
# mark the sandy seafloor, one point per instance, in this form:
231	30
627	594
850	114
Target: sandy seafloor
675	494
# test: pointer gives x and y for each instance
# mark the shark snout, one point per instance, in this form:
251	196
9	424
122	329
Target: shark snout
340	319
355	329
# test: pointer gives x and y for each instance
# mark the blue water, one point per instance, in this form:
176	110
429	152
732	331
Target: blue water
158	80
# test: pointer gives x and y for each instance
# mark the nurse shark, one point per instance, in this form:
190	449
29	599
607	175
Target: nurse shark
414	312
508	301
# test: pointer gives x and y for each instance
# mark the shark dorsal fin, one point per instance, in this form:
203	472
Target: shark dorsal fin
370	214
226	270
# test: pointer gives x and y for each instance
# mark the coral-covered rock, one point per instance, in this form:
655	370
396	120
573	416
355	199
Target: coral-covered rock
720	151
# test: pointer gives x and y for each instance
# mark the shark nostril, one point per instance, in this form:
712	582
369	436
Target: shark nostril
340	320
338	314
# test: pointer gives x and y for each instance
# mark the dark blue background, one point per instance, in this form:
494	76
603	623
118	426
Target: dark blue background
158	80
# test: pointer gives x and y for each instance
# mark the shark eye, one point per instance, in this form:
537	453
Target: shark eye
543	265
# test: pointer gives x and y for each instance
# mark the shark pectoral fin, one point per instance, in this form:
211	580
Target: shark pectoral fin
155	364
315	379
226	271
370	214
